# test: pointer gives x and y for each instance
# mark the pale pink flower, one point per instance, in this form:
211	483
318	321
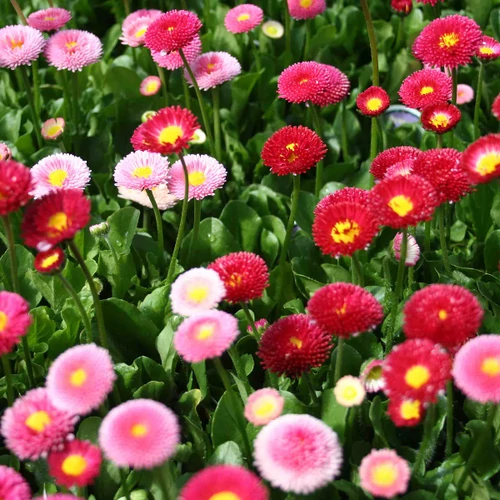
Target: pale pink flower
173	60
412	249
264	405
164	199
151	85
213	68
349	391
465	93
5	152
243	18
142	170
19	46
372	376
141	13
53	128
135	25
14	320
49	19
306	9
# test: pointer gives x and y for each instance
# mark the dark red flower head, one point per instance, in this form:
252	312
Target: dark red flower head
440	117
373	101
172	31
390	157
402	201
343	309
293	345
445	314
481	160
51	261
403	6
405	412
416	369
293	150
495	108
56	217
426	87
489	49
15	186
343	222
244	274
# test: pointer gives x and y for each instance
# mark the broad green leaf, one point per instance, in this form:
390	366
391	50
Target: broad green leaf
122	228
333	413
244	223
227	454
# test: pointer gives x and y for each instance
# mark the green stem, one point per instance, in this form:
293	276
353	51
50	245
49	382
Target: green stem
310	386
338	361
343	133
429	423
126	490
449	418
477	106
427	241
8	378
255	51
159	229
217	130
374	139
186	92
442	239
288	35
307	40
250	320
76	109
240	369
454	77
319	167
196	229
358	268
36	87
19	12
439	141
167	483
67	97
127	7
31	103
373	40
164	86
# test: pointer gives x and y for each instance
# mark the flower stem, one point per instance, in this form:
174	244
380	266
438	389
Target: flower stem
319	166
76	109
374	139
307	40
427	240
127	7
255	51
196	229
250	320
217	131
126	490
477	106
449	418
159	229
310	386
288	35
164	86
31	103
373	40
442	239
429	422
358	268
8	378
19	12
36	87
186	92
167	483
343	134
338	361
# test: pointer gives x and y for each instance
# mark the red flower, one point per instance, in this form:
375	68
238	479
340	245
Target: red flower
405	412
172	31
445	314
244	274
495	108
481	160
336	90
50	261
426	87
294	345
440	117
489	49
293	150
15	186
402	201
343	222
390	157
404	6
168	131
416	369
449	41
344	309
373	101
54	218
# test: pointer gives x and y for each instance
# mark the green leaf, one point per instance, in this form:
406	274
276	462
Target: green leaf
333	414
480	10
227	454
492	251
292	403
154	305
269	246
224	423
244	223
336	273
151	390
122	228
119	272
305	214
241	89
89	429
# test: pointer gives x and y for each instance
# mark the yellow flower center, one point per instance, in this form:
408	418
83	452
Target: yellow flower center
342	310
196	178
272	30
210	67
345	231
491	366
4	320
426	90
264	407
53	130
488	163
350	393
71	46
440	120
74	465
410	410
58	221
151	87
57	177
170	134
225	495
197	293
49	261
205	332
235	280
49	18
141	32
384	474
305	4
487	51
16	44
417	376
78	377
401	204
296	342
138	430
374	104
243	17
448	40
304	80
38	421
142	172
442	314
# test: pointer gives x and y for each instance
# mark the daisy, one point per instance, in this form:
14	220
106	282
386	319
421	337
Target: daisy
173	60
151	85
20	46
141	170
349	391
440	117
53	128
403	6
390	157
135	25
405	412
273	29
264	405
371	376
489	49
425	87
465	93
49	19
49	262
306	9
212	69
15	186
412	249
481	160
404	168
302	82
243	18
14	320
373	101
335	91
12	485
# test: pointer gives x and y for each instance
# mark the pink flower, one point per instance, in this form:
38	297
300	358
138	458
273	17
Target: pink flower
383	473
135	25
298	453
53	128
213	68
5	152
205	175
173	60
73	50
412	249
12	485
164	199
141	170
264	405
59	496
306	9
140	433
49	19
151	85
465	93
243	18
59	171
131	18
14	320
80	379
205	335
33	425
372	377
19	46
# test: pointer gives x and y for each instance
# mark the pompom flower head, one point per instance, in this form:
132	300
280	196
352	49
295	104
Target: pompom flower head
391	157
426	87
371	376
141	170
213	68
349	391
243	18
465	93
73	50
293	150
140	433
53	128
489	49
49	19
14	320
336	90
135	25
80	379
373	101
412	249
403	6
405	412
173	60
19	46
15	186
12	485
298	453
151	85
495	108
440	117
5	152
306	9
481	160
264	405
51	261
205	335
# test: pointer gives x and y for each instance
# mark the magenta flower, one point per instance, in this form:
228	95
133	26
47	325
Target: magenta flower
306	9
19	46
14	320
151	85
213	68
49	19
173	60
12	485
243	18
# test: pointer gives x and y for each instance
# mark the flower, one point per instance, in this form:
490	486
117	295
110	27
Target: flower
404	168
260	324
405	412
5	152
205	176
371	376
99	230
293	150
264	405
151	85
244	274
349	391
56	217
15	186
449	41
135	25
49	19
14	320
224	482
390	157
212	69
481	160
73	50
412	249
141	170
306	9
199	137
404	6
476	369
440	117
61	171
344	309
164	199
77	464
51	261
58	496
80	379
273	29
373	101
195	291
298	453
465	93
243	18
293	345
139	433
343	222
33	425
489	49
19	46
495	108
417	369
205	335
383	473
53	128
173	60
167	132
12	485
425	87
172	31
335	91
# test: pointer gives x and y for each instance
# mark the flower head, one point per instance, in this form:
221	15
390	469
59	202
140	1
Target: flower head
173	60
53	128
293	150
481	160
306	9
273	29
293	345
264	405
14	320
151	85
141	170
243	18
99	230
373	101
335	91
140	433
49	19
465	93
349	391
51	261
12	485
19	46
135	25
405	412
371	376
489	49
430	2
404	168
403	6
163	197
440	117
298	453
73	50
5	152
390	157
426	87
15	186
213	68
495	108
412	249
260	324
